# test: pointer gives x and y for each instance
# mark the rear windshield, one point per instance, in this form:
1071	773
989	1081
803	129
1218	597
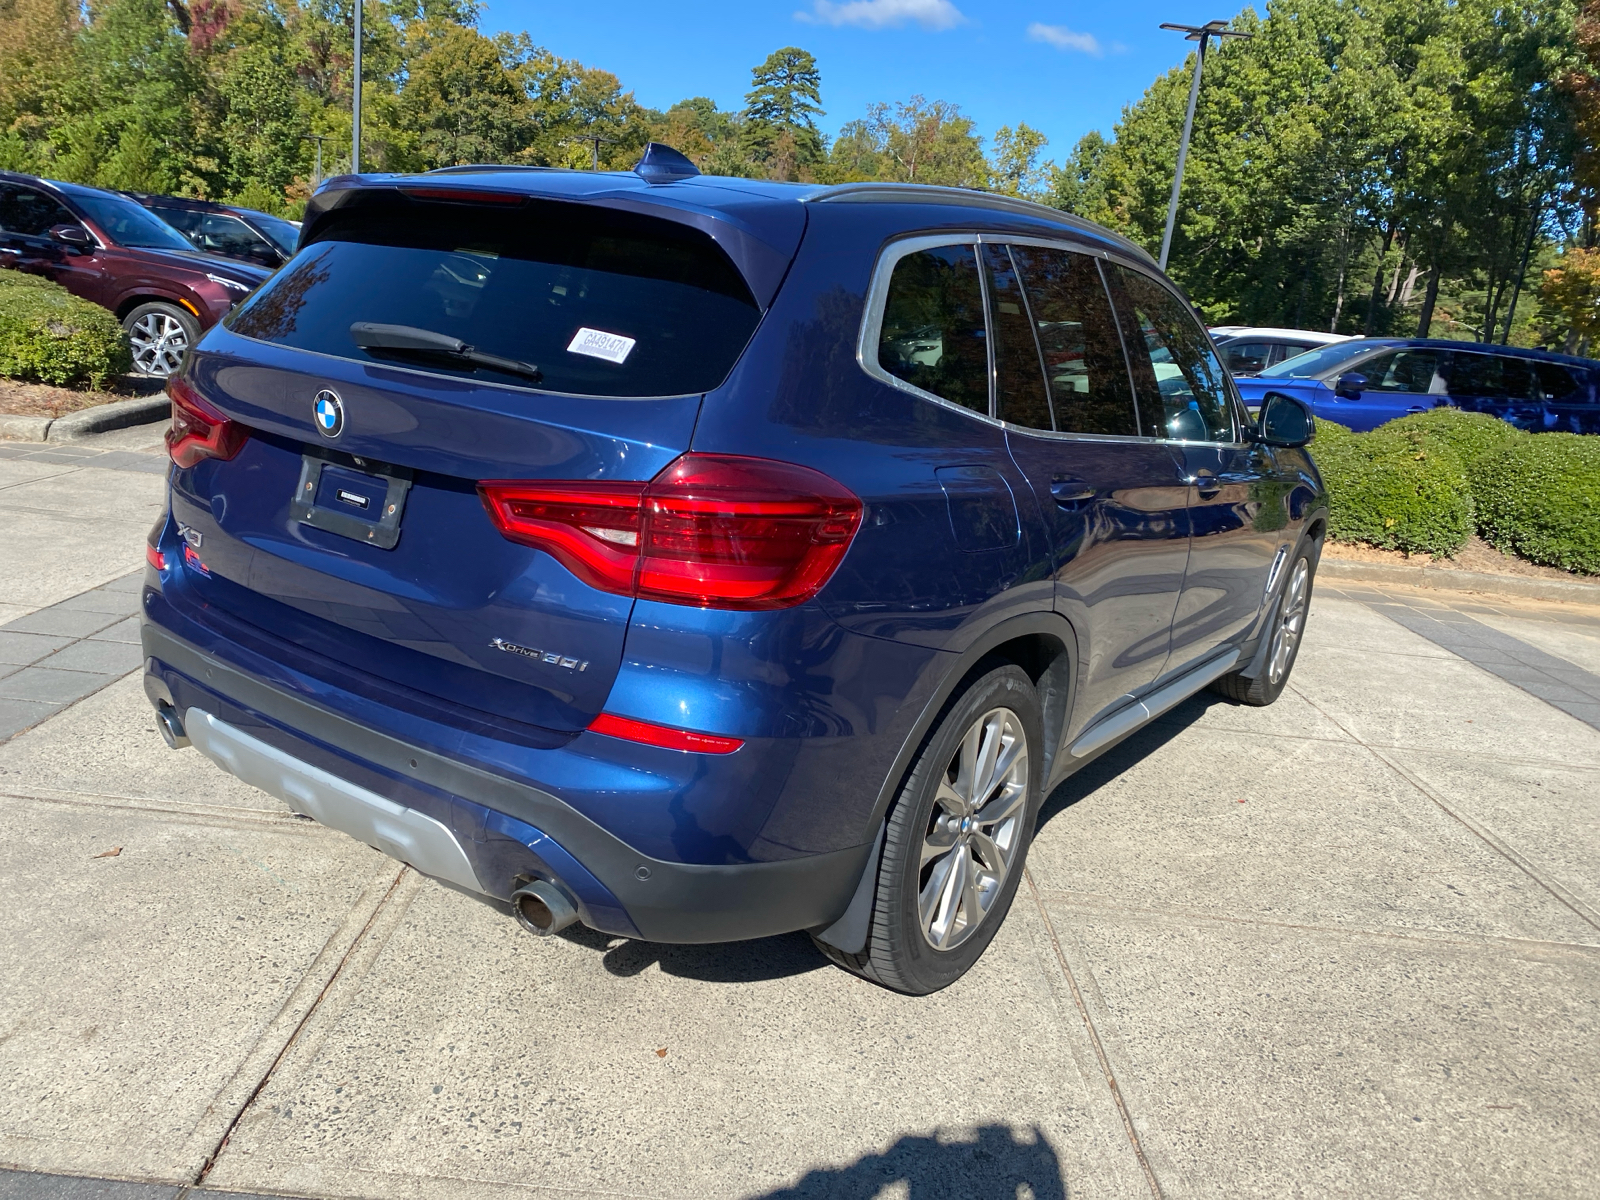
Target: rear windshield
604	303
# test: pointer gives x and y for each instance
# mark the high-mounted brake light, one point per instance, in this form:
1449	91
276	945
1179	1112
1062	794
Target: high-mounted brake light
199	431
664	736
711	530
464	195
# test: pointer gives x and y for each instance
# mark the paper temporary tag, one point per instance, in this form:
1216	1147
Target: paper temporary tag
612	347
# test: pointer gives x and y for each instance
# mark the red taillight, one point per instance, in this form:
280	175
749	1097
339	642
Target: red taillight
155	558
712	530
665	736
199	431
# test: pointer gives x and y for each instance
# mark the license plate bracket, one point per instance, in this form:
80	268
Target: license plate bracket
363	501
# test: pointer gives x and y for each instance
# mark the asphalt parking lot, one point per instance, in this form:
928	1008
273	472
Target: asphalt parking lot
1345	945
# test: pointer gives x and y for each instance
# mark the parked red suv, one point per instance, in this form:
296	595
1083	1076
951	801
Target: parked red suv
110	250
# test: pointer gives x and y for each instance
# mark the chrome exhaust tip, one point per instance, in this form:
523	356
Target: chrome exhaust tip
541	909
171	727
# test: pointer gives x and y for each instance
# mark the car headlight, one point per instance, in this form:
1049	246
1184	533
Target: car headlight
231	284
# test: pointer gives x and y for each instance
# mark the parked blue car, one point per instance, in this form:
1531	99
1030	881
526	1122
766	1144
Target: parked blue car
706	559
1368	381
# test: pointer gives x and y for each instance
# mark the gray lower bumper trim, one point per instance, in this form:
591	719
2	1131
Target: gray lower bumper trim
396	830
671	902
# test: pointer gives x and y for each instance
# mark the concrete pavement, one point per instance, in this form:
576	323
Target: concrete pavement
1349	943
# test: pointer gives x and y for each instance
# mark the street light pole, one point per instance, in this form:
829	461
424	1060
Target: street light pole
1202	34
355	100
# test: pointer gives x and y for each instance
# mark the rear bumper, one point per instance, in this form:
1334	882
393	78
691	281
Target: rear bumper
415	804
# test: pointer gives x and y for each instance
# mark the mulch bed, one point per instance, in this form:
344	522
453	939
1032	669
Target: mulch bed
1476	555
18	399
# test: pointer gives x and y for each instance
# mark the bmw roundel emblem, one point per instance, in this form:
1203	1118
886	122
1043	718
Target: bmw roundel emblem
328	410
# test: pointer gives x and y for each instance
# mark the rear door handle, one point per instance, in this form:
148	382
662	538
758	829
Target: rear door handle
1207	485
1070	491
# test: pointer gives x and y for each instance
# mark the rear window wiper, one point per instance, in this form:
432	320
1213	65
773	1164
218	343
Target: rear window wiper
370	335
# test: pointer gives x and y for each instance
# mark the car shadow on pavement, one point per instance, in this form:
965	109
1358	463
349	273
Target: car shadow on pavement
1125	754
990	1161
724	962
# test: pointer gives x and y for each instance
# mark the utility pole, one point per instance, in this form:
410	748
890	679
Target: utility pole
355	100
1202	34
594	139
318	138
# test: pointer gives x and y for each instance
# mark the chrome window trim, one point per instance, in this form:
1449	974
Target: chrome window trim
872	319
872	328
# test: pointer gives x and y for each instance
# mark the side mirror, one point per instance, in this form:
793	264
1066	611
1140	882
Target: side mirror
71	235
1350	385
1285	421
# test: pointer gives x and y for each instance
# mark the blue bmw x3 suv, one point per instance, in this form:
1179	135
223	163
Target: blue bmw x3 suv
705	559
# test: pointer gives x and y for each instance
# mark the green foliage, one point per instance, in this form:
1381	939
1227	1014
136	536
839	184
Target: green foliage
48	335
1539	496
1469	435
1393	490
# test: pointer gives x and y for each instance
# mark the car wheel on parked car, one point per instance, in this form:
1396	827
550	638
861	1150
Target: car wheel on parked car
1288	623
956	839
160	335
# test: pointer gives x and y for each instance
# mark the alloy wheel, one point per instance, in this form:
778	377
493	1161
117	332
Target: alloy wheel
1291	622
975	829
159	342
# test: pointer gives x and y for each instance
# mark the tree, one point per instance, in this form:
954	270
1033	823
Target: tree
917	141
460	100
1014	166
780	128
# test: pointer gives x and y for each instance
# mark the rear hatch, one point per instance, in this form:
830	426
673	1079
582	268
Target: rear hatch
538	339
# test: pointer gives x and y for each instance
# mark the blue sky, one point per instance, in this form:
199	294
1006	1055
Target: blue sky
1064	68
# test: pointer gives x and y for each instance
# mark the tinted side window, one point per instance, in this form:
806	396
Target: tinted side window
1491	375
1247	356
1019	382
183	219
933	330
1083	362
1401	371
1182	393
1555	381
30	213
223	234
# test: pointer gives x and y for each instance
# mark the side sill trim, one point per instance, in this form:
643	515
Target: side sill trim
1126	720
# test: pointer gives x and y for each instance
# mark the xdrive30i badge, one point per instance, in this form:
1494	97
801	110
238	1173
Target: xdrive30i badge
327	410
548	657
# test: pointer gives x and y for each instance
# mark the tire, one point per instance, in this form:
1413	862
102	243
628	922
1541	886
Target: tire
1286	629
161	335
916	948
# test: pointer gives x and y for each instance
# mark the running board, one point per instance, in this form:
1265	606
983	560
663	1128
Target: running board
1126	720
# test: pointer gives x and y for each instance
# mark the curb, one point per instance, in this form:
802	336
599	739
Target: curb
1441	579
141	410
25	429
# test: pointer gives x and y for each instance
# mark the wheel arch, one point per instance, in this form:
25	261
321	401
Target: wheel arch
1045	646
128	303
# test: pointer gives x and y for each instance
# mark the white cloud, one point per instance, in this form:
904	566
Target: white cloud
880	14
1063	38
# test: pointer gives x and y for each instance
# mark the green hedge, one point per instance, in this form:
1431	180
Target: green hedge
1470	435
1398	490
1539	496
48	335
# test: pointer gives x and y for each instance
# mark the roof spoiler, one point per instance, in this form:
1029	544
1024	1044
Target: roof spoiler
662	164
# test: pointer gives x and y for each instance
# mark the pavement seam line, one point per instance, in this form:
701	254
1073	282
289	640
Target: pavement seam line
1580	909
1094	1038
311	1010
1577	907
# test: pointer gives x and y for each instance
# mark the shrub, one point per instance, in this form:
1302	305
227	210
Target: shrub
48	335
1539	496
1394	490
1470	435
